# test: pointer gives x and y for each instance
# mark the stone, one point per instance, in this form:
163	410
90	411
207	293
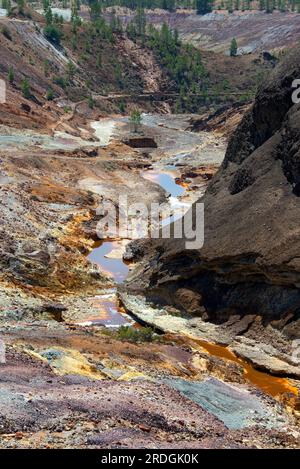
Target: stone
265	357
25	107
52	311
141	142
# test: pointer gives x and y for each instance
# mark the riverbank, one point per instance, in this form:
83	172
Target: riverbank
60	323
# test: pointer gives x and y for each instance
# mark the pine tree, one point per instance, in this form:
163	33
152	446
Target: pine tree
48	15
168	5
233	48
91	102
11	75
25	87
283	6
203	6
46	67
7	6
136	119
230	6
75	18
50	94
21	5
140	21
95	10
71	70
99	61
269	6
122	107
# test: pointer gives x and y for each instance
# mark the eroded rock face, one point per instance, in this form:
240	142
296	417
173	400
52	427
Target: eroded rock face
141	142
249	264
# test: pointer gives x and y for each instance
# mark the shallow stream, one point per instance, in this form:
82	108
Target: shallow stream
112	315
108	254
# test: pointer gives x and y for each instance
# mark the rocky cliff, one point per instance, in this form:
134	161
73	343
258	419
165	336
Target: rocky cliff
247	275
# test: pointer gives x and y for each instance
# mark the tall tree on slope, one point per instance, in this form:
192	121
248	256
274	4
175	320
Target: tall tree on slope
204	6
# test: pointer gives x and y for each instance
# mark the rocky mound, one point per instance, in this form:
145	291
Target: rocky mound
247	274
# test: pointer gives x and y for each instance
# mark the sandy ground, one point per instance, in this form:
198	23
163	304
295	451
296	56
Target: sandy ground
104	130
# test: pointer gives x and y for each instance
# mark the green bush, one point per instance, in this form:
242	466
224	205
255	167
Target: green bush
25	87
53	34
122	107
130	334
50	94
60	81
136	119
91	102
11	75
233	48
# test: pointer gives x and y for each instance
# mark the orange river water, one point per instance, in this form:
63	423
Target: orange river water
270	384
112	314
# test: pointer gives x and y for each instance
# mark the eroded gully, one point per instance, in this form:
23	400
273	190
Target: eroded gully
108	255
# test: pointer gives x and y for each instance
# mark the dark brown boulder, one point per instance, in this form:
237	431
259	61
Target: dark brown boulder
141	142
25	107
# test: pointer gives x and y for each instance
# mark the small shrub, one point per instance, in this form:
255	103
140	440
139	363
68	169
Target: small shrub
25	87
21	6
50	94
130	334
11	75
46	67
233	48
71	70
91	102
122	107
135	119
60	81
53	34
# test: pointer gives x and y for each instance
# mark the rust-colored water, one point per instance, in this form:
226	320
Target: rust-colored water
270	384
111	313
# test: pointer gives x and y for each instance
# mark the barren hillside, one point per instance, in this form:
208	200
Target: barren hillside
254	30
